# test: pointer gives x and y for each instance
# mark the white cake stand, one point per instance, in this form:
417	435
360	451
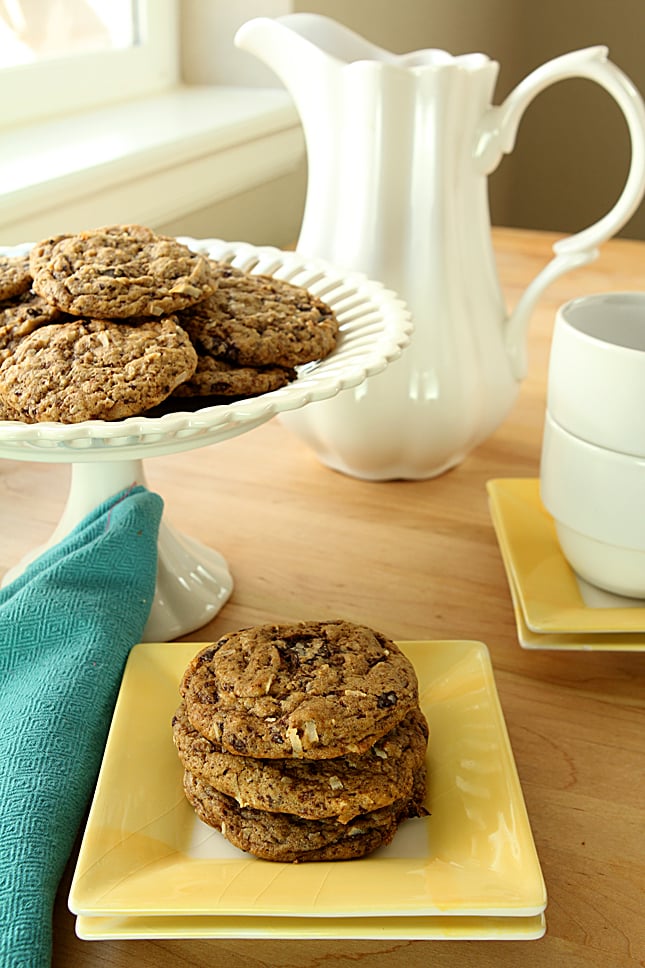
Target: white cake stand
193	581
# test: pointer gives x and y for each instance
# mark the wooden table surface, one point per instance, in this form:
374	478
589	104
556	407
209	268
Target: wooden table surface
418	560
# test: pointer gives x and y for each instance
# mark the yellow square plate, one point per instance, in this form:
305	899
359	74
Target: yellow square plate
146	855
420	928
553	608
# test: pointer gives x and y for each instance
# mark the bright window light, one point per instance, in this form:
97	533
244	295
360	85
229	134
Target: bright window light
32	32
61	56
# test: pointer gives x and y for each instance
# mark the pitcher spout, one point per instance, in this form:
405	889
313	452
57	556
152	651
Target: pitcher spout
279	47
298	44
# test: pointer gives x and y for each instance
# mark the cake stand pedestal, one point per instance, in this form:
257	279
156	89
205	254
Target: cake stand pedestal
193	581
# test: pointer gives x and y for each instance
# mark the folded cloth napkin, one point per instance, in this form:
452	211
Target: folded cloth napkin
67	624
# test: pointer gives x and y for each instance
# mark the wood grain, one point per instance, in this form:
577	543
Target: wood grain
417	560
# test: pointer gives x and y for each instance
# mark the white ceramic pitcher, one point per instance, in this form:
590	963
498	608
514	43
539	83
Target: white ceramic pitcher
398	150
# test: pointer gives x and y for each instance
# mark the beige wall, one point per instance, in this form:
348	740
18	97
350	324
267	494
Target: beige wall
208	54
572	151
268	215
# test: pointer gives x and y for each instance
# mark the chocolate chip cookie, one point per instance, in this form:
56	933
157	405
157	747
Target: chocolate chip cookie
291	839
7	413
20	316
256	320
15	275
342	787
88	369
119	272
219	378
40	253
313	689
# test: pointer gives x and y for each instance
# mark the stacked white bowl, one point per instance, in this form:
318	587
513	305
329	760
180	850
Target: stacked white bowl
592	475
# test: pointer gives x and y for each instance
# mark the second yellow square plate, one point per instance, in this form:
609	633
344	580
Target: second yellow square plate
550	608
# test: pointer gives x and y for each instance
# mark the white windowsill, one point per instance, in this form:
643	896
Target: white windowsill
151	160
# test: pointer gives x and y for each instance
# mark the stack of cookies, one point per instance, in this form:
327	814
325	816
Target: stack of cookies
303	742
118	321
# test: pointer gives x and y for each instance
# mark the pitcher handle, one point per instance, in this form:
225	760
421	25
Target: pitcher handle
497	137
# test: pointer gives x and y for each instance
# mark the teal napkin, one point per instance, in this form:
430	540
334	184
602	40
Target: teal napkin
67	625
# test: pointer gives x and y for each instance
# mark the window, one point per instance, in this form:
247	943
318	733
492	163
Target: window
98	128
29	34
79	54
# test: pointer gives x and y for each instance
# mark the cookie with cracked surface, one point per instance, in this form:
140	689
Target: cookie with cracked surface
311	689
219	378
15	275
257	320
20	316
290	839
119	272
342	787
95	369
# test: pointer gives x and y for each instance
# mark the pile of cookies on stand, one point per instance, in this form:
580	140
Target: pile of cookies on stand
120	321
303	742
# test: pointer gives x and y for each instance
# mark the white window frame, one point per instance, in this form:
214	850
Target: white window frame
88	80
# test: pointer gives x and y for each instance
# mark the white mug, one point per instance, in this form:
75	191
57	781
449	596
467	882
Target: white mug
596	384
596	497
